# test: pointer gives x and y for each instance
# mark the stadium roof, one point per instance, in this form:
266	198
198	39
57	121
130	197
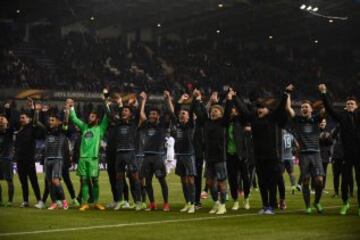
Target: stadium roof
247	19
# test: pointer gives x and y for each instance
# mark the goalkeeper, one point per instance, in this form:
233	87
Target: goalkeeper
88	166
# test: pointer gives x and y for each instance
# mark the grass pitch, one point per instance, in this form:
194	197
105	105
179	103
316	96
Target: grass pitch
31	223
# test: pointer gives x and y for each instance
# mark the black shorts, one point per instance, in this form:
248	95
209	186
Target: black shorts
153	164
126	160
185	165
53	168
289	166
6	170
310	165
216	171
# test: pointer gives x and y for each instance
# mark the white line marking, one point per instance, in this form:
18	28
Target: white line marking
144	223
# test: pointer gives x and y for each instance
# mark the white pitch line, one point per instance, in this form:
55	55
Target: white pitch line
143	223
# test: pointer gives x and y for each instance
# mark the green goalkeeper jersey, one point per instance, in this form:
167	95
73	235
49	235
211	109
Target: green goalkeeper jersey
90	135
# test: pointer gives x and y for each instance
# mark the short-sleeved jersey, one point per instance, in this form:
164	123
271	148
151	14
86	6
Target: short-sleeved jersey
307	133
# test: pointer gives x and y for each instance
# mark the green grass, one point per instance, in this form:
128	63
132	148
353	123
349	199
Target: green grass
128	224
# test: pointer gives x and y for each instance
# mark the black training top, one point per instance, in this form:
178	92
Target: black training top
267	134
349	127
25	143
6	143
214	133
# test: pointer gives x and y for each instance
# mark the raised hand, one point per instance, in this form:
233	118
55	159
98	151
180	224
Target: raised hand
38	107
197	94
322	88
69	103
143	95
45	108
30	103
183	98
7	105
167	94
289	88
214	98
132	101
231	93
247	128
105	94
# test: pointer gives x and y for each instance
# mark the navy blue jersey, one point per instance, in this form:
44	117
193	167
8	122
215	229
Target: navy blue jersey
153	138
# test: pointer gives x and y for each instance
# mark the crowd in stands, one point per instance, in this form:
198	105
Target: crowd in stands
87	63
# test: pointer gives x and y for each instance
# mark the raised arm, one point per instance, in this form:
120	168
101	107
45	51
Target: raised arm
142	117
327	104
280	112
65	125
169	102
182	100
289	89
36	117
104	124
72	115
191	110
168	99
107	102
7	110
105	120
12	118
198	108
214	99
112	109
228	106
240	105
247	114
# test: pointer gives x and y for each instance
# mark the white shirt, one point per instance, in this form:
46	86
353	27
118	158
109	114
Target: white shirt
170	148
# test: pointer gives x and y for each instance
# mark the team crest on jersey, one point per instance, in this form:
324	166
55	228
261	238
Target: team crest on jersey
151	132
88	135
308	128
124	130
179	134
